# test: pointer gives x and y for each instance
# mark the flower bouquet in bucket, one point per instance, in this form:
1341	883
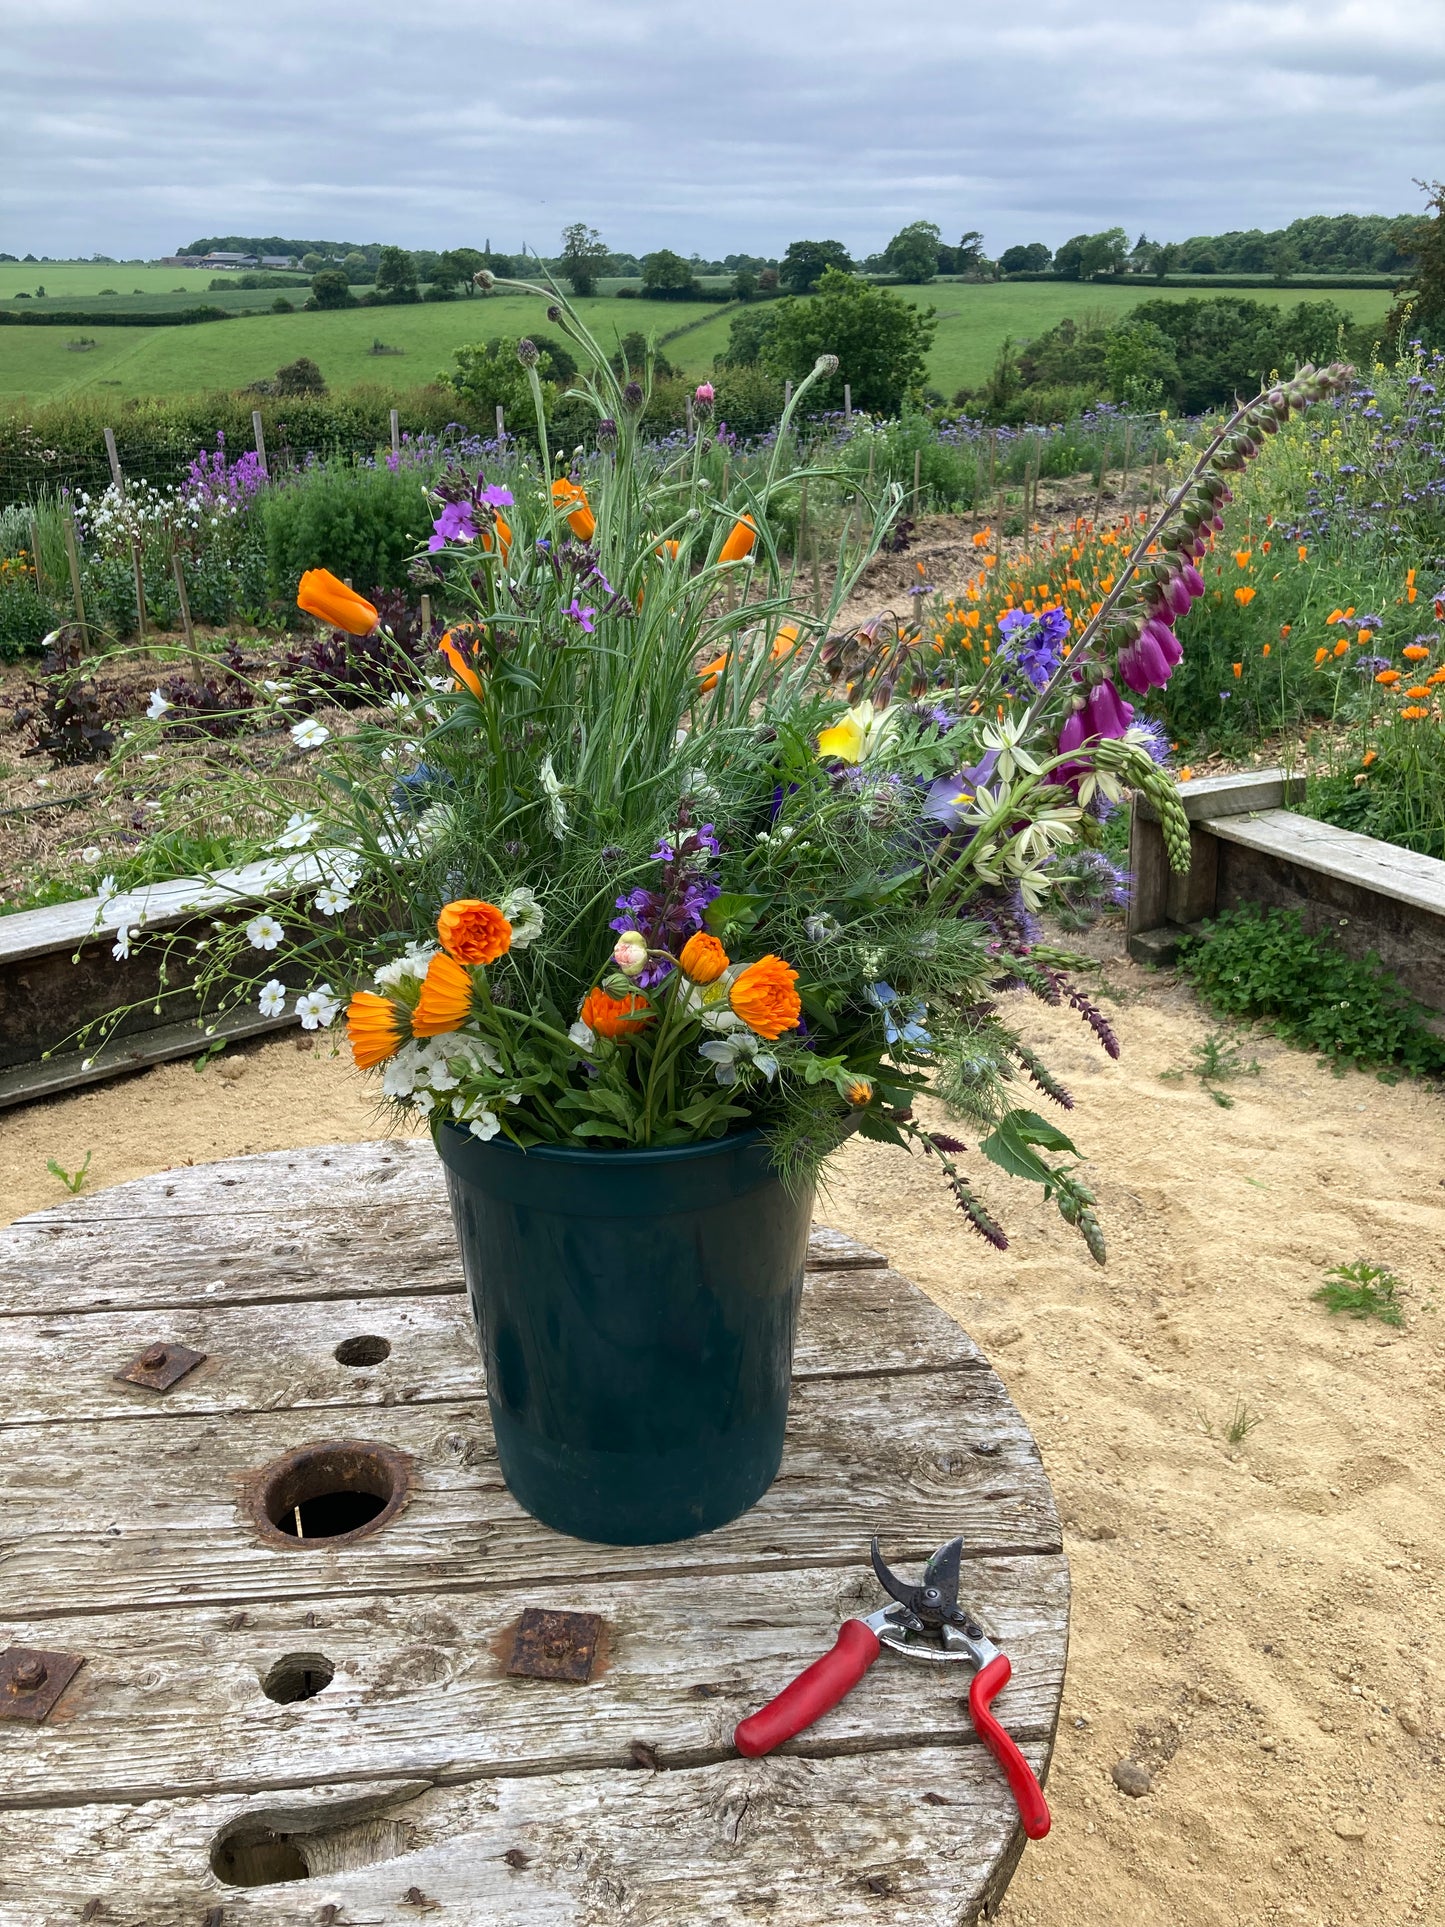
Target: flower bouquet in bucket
663	881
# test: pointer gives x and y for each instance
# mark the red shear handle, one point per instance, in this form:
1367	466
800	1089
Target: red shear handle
812	1693
1028	1794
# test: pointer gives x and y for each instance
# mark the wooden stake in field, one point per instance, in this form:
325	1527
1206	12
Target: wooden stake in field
180	576
501	423
260	434
848	402
74	560
425	617
118	481
396	431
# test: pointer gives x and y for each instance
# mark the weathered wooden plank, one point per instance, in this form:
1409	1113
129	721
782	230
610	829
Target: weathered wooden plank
1345	855
91	1528
787	1840
132	1050
172	1703
283	1357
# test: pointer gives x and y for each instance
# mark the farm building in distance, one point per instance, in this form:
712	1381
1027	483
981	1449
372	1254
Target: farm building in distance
228	260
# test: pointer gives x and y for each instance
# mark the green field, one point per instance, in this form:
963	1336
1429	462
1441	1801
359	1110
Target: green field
36	364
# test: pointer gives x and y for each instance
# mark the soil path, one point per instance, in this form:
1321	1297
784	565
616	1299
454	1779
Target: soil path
1259	1627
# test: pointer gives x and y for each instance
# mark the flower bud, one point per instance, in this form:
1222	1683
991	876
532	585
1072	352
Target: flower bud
485	280
826	365
629	953
632	395
607	434
702	400
554	314
527	352
860	1092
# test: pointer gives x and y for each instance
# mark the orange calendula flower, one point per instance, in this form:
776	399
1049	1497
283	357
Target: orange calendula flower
702	959
474	932
1186	775
1389	677
376	1027
1238	668
764	997
571	500
446	998
615	1016
740	541
1414	652
1414	711
1243	596
466	676
322	595
1419	694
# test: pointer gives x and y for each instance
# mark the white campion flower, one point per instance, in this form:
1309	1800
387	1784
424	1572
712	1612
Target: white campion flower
91	853
297	834
120	949
157	706
522	910
272	1001
308	733
318	1009
263	932
331	901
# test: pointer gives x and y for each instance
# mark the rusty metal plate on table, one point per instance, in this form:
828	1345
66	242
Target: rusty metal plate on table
159	1366
555	1645
31	1681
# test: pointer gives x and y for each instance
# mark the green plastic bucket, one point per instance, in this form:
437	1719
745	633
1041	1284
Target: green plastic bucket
636	1313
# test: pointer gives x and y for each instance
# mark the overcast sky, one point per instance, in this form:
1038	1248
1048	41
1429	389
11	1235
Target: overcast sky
131	127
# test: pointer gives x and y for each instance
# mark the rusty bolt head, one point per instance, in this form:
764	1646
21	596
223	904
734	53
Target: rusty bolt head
29	1677
153	1357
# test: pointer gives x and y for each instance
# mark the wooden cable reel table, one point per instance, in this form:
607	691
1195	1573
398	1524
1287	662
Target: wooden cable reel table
275	1729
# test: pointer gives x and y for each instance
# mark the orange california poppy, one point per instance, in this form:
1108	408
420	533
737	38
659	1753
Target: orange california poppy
474	932
376	1026
1238	668
669	549
571	500
1284	629
615	1016
1321	655
1302	552
702	959
463	672
1265	650
740	541
1410	590
1241	558
446	997
1243	596
504	537
322	595
764	997
785	642
1368	758
1342	647
710	671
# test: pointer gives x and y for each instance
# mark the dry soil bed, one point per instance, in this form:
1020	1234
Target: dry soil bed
1260	1627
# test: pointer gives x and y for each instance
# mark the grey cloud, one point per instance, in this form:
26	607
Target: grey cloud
132	126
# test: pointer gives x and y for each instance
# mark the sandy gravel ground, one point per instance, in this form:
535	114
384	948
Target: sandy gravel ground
1257	1627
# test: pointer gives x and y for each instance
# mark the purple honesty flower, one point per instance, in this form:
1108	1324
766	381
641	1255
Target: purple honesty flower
670	911
582	617
494	496
454	524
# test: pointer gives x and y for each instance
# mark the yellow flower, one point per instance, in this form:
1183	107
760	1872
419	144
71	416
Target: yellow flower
860	733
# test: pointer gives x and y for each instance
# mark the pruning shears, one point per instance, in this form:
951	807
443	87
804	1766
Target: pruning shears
925	1622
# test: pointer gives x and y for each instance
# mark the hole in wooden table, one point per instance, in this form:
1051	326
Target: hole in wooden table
299	1676
323	1494
368	1350
255	1856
